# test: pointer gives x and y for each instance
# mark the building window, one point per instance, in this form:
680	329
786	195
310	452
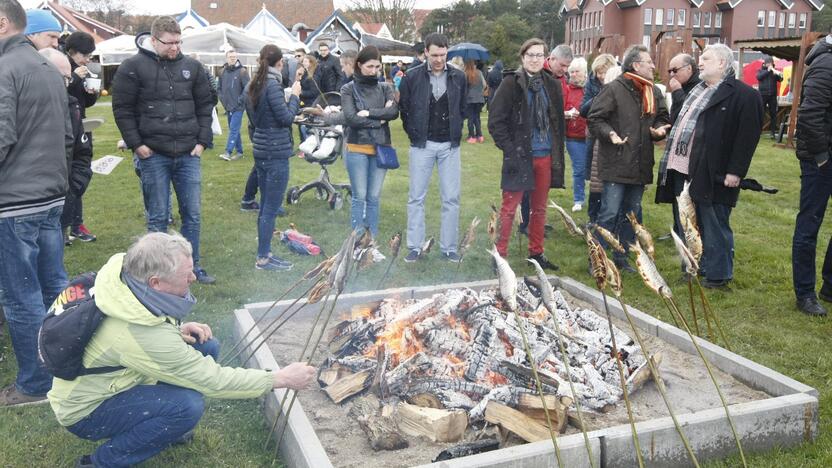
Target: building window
646	41
659	16
707	19
648	16
670	12
792	18
782	21
681	19
802	24
771	18
718	19
695	19
761	19
212	5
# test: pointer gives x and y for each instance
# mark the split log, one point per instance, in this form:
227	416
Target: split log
642	374
382	432
425	400
349	386
531	406
515	421
329	376
470	448
438	425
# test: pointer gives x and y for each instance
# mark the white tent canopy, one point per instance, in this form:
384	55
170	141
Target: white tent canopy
210	43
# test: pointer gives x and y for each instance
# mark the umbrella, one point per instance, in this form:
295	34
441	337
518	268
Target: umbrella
468	51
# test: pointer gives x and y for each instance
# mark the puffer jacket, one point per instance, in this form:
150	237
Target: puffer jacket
372	97
272	119
591	89
576	126
618	108
814	116
35	130
150	349
233	80
163	104
510	124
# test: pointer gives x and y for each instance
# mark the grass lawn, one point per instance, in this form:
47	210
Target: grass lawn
759	315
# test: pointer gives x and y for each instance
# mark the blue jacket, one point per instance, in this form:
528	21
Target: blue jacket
272	119
591	89
414	103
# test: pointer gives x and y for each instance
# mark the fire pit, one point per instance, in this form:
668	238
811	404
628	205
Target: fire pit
446	366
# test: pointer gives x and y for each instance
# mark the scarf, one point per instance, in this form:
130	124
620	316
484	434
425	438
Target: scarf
365	80
539	109
160	303
681	134
645	87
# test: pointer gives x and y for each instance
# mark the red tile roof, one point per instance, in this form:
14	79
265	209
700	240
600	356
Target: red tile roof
79	22
371	28
288	12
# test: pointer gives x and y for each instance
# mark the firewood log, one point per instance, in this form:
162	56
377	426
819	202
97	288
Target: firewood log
515	421
382	432
349	385
438	425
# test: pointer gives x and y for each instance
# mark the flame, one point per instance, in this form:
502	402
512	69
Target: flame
358	312
460	327
400	341
506	342
457	364
494	379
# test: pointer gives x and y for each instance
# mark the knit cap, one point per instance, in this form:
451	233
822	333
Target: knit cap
40	21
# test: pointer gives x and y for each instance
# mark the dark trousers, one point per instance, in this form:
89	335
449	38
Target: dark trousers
73	214
815	192
717	262
676	180
474	122
272	178
251	186
770	106
143	421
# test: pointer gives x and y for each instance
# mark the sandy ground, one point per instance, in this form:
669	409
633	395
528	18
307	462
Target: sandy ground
688	385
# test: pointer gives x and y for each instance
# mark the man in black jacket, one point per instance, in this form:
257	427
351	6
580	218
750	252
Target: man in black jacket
684	75
432	105
162	103
814	126
328	73
768	77
233	79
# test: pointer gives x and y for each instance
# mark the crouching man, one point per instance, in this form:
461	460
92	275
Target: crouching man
156	397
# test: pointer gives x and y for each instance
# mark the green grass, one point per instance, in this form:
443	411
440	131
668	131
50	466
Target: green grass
759	315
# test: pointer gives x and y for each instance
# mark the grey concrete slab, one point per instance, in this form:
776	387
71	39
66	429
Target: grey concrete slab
538	455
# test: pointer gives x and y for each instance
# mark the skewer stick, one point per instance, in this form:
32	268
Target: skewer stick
693	310
707	306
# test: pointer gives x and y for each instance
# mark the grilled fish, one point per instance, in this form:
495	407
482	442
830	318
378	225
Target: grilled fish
643	236
571	226
508	280
649	273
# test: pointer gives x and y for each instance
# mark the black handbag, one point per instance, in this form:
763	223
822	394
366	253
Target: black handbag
386	157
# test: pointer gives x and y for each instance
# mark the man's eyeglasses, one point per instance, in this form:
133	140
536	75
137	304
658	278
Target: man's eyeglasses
675	70
171	43
535	56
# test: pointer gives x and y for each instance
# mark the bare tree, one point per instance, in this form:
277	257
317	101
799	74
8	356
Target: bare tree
396	14
99	6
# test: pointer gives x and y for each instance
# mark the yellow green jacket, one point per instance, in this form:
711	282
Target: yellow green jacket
151	350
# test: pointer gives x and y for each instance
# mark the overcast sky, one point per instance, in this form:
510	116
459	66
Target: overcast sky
166	7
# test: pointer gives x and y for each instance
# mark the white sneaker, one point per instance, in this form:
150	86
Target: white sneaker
225	156
577	207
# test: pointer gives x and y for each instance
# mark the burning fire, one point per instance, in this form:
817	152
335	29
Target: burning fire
400	341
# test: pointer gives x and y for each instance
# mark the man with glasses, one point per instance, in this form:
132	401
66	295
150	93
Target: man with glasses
432	105
328	73
162	103
627	116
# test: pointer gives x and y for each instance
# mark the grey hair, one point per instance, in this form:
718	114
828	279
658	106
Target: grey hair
725	54
156	254
631	56
14	12
577	64
54	56
562	51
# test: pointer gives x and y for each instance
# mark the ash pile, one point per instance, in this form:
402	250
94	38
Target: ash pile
437	366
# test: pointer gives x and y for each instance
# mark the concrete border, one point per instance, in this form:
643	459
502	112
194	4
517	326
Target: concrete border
787	419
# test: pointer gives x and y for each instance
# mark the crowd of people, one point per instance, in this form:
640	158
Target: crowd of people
608	119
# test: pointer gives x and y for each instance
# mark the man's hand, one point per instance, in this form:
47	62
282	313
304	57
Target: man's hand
674	84
295	376
296	88
197	151
660	132
143	152
201	331
317	110
363	113
731	180
616	140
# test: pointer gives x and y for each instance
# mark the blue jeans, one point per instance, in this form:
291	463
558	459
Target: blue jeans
272	178
184	171
31	276
235	121
616	201
815	193
420	165
366	179
474	122
143	421
577	153
717	262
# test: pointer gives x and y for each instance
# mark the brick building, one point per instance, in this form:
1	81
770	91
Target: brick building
590	22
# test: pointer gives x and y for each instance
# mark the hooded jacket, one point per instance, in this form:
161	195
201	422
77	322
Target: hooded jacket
233	80
162	103
495	76
618	108
35	131
150	349
814	116
510	124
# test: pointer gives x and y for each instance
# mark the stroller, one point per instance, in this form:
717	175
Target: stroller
325	149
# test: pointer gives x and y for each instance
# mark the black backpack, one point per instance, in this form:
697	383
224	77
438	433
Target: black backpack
69	325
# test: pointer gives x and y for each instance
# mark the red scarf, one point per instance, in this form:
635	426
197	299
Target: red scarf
645	87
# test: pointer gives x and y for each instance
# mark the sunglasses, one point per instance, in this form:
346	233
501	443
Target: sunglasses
673	71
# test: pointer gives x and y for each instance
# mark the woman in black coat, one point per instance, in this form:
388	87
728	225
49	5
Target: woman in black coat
526	122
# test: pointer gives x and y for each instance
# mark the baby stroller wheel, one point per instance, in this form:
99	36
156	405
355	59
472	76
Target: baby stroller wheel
293	195
336	201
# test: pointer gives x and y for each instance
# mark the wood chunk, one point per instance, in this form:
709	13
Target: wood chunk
532	401
382	432
515	421
349	385
329	376
425	400
466	449
438	425
642	374
572	417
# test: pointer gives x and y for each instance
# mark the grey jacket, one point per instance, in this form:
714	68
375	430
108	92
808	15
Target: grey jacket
374	129
232	82
35	130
